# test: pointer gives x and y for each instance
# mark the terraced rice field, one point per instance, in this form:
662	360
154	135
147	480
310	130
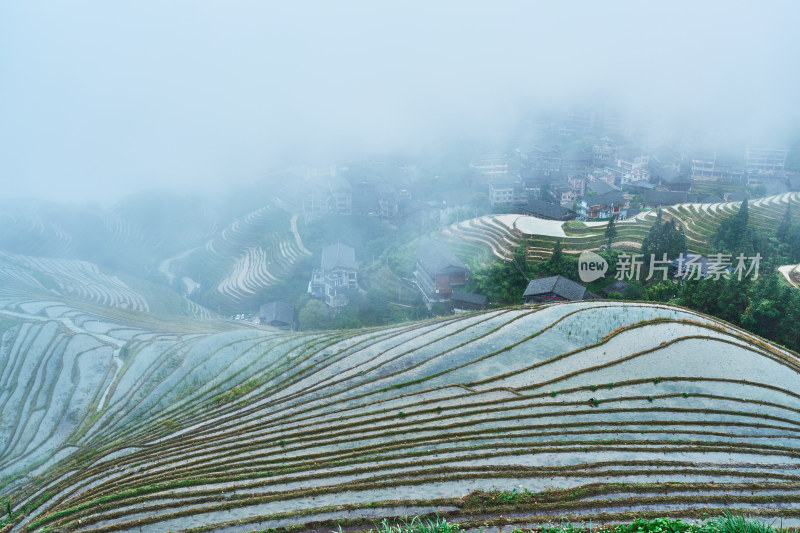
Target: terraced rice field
254	252
501	234
598	410
791	273
71	278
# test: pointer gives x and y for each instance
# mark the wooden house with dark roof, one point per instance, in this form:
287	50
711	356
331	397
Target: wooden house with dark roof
546	210
438	272
556	289
468	301
277	314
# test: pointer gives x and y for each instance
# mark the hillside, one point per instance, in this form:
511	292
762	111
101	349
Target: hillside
233	267
210	253
500	234
117	420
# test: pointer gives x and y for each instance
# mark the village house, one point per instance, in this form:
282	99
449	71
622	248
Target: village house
438	272
603	206
503	192
334	196
556	289
492	166
546	210
710	166
563	194
631	165
337	275
604	152
277	314
467	301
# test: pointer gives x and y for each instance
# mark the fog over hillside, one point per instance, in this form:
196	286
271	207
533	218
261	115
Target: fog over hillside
99	100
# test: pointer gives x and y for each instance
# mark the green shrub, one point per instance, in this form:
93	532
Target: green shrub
729	523
418	525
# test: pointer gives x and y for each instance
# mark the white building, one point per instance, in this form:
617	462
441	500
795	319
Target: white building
337	275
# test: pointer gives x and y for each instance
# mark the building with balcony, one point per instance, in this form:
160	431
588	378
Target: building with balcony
710	166
338	275
765	165
603	206
493	166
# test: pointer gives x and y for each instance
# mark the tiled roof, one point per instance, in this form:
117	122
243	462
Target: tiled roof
436	257
564	287
338	256
469	297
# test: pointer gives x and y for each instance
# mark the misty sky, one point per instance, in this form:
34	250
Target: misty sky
102	98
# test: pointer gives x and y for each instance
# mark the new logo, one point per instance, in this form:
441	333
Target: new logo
591	266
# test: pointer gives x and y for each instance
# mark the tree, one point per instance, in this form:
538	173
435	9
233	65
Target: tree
557	255
786	225
611	232
664	237
314	315
732	232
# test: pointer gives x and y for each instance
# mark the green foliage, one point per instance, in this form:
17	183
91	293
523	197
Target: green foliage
786	225
610	233
559	264
664	237
314	315
685	395
764	306
650	399
503	282
728	523
553	393
236	392
733	231
418	525
660	291
634	291
12	516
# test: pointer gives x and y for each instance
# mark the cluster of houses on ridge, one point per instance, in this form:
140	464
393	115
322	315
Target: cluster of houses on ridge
440	278
609	180
569	183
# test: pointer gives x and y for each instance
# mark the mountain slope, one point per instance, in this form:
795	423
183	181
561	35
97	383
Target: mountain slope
583	405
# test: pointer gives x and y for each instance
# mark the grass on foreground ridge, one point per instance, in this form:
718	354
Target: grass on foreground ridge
728	523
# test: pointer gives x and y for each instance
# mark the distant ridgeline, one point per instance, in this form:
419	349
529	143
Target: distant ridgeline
115	420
